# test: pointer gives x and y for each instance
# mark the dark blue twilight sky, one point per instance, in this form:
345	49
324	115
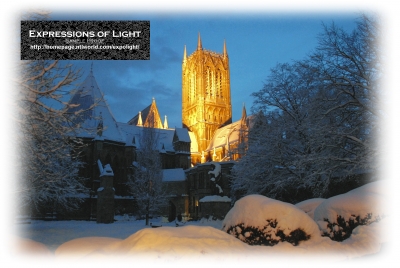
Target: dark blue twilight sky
256	42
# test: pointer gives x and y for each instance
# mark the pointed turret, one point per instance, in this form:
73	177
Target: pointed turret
165	122
225	53
199	46
214	157
184	54
140	121
244	115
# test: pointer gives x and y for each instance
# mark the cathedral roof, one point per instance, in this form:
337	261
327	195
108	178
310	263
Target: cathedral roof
143	113
165	143
150	116
225	135
92	113
230	134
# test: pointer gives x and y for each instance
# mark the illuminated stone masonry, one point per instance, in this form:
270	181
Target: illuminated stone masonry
206	96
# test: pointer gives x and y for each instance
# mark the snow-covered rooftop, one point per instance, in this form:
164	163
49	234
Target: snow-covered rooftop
175	174
88	95
183	134
107	171
133	133
226	135
215	198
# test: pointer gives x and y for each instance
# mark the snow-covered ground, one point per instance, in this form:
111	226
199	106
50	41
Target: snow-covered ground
55	233
206	241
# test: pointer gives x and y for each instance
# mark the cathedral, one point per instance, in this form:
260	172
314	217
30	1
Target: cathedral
208	140
207	108
206	100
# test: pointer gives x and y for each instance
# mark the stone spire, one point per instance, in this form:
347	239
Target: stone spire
244	115
184	54
165	122
225	51
199	46
140	122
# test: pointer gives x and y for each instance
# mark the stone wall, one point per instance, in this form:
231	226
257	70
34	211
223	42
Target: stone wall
178	199
200	184
105	197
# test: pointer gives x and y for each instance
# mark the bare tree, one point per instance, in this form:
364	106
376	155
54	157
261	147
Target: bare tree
48	149
282	147
319	119
350	71
146	183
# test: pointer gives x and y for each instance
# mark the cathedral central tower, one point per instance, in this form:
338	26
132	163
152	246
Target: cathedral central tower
206	93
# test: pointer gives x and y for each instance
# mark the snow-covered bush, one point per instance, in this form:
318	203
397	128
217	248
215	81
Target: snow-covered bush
339	215
259	220
308	206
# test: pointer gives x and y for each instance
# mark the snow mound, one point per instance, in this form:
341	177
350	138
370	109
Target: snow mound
309	206
339	215
29	247
85	246
173	242
259	220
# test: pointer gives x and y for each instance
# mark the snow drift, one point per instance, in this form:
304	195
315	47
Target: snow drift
81	247
169	243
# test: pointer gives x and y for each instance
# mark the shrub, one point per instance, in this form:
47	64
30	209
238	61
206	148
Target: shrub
339	215
259	220
342	229
268	235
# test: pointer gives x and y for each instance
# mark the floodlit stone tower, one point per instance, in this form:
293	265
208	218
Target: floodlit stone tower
206	94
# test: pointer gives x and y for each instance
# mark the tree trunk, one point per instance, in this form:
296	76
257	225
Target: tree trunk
147	212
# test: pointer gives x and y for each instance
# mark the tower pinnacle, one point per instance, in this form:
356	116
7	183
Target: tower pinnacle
244	115
140	122
225	51
165	122
184	54
199	46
